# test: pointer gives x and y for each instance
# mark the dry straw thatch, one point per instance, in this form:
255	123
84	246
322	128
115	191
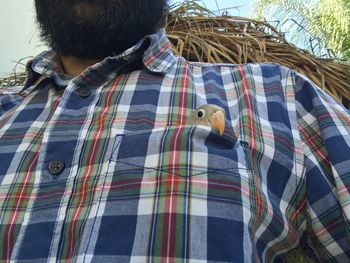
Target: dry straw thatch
198	35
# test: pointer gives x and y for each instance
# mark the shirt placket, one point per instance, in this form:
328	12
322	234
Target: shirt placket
58	165
83	154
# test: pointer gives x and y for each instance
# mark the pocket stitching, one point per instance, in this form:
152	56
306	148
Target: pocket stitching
200	170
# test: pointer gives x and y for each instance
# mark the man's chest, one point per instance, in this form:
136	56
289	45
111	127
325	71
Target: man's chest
116	172
119	174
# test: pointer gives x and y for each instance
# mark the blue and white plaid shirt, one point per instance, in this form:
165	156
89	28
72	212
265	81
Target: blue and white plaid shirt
104	167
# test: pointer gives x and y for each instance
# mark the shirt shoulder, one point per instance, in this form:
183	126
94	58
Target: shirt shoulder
271	77
263	73
10	90
9	97
263	65
267	80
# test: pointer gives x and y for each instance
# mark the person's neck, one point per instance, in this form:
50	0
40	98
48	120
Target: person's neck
75	66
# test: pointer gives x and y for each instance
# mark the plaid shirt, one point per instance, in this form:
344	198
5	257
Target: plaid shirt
104	168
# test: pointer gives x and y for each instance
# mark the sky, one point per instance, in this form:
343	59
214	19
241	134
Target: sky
19	36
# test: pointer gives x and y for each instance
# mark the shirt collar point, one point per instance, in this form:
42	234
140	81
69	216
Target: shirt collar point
158	57
162	67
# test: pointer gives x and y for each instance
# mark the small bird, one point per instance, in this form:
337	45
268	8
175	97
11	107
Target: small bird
209	115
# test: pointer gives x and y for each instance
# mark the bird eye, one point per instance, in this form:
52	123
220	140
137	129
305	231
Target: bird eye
200	113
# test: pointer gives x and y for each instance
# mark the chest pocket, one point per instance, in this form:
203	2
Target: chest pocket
177	151
196	159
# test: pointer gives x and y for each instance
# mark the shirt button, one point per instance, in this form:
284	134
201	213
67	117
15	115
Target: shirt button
56	167
83	92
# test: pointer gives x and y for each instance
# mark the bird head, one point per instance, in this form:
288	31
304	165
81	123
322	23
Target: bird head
209	115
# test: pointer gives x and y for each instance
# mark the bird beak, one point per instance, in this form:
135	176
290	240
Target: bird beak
217	121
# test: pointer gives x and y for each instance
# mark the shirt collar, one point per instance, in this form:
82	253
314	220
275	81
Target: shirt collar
157	57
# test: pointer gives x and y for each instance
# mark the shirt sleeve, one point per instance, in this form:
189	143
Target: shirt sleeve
324	128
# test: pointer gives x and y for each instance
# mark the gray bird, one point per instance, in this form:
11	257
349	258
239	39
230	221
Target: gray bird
209	115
